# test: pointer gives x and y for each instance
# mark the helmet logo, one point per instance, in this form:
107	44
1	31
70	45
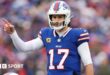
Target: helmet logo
56	6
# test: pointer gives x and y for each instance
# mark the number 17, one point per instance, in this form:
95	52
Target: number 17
60	51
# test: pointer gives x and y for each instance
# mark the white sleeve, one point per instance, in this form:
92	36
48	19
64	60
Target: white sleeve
84	53
26	46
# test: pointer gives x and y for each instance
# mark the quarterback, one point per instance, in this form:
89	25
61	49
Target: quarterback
66	47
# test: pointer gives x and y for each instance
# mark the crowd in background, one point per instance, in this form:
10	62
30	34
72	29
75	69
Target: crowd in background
29	16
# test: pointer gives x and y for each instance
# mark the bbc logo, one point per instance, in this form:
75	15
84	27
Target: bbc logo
3	66
6	66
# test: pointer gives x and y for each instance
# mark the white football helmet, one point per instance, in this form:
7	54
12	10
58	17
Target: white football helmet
57	8
10	73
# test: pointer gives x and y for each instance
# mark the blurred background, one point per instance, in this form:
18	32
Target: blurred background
29	16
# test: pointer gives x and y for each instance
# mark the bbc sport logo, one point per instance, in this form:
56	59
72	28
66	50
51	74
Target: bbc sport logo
9	66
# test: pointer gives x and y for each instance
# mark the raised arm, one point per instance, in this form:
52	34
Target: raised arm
26	46
18	43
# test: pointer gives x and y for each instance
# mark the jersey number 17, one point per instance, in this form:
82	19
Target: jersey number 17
60	51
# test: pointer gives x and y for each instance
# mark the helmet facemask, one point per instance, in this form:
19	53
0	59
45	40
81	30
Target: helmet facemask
57	25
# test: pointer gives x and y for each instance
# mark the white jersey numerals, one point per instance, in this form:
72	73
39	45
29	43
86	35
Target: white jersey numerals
60	51
51	52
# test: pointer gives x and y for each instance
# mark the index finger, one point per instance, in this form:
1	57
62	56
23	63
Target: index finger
5	20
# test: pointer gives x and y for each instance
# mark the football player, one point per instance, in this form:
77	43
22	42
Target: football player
65	46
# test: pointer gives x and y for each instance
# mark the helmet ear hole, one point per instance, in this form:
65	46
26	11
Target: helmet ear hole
50	16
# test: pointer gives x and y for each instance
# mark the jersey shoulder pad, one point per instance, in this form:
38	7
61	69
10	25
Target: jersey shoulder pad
82	35
44	31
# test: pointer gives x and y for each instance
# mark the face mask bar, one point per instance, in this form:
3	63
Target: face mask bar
56	24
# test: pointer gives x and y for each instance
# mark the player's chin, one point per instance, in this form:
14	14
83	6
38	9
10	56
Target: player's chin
56	25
